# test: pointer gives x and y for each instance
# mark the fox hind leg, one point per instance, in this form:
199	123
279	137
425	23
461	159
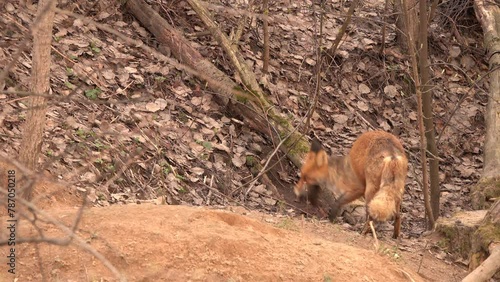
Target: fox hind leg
369	194
397	221
366	227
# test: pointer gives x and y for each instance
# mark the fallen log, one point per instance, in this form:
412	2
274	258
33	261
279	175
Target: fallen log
485	253
487	269
258	113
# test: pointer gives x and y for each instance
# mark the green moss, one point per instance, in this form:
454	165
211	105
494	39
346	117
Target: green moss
486	189
391	251
492	189
250	160
455	240
488	233
242	99
297	147
282	121
443	243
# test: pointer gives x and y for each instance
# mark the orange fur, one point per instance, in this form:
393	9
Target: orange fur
375	168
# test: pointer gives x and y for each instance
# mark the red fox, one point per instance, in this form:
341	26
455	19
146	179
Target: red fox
375	168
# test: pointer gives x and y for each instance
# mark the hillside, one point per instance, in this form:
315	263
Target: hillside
126	127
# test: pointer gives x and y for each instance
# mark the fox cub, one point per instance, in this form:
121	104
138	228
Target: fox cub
375	168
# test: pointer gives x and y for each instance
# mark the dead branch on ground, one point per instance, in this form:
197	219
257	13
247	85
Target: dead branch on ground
295	147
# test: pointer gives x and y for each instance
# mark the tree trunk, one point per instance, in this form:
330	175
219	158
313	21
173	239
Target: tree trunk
488	13
258	112
488	235
418	70
424	67
407	7
31	142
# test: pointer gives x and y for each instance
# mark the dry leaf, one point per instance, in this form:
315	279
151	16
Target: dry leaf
238	161
362	106
363	88
152	107
455	51
340	119
391	91
198	170
181	90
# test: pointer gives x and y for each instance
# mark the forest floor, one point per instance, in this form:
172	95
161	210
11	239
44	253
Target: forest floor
128	128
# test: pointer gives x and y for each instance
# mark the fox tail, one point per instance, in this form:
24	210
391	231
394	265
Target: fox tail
385	203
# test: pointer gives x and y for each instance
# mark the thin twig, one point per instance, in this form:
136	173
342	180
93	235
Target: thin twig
319	62
76	239
265	29
343	28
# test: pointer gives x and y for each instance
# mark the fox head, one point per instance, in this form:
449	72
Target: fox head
314	171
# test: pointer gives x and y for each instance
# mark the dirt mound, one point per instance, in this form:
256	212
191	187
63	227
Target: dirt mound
158	243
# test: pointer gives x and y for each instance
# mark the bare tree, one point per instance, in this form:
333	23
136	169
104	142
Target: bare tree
488	14
31	143
486	241
427	93
417	79
416	32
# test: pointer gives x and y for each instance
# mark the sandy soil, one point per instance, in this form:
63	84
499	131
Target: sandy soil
179	243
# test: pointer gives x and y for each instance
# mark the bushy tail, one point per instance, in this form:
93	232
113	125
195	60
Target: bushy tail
385	202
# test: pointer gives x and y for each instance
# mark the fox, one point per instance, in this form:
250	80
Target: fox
375	167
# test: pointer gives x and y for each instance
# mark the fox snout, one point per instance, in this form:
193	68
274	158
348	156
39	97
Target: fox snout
299	189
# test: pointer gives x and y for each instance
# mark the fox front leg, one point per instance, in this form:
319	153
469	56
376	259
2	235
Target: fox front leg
334	210
332	214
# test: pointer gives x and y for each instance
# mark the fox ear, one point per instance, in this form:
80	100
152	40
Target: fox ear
321	158
316	145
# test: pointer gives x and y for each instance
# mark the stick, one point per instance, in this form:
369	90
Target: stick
376	244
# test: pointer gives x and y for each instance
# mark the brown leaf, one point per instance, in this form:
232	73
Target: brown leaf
362	106
391	91
238	161
363	88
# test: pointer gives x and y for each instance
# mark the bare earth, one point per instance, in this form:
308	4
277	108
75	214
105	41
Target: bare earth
179	243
